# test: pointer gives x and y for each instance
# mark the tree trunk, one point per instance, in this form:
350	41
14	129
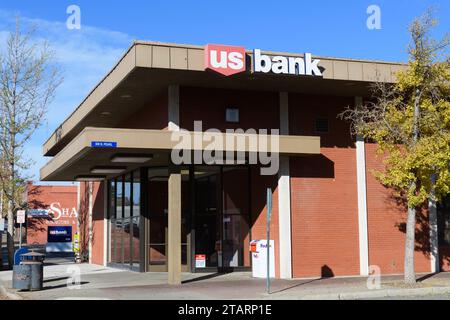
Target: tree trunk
10	236
410	276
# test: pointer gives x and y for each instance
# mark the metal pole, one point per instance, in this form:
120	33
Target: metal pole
20	236
269	215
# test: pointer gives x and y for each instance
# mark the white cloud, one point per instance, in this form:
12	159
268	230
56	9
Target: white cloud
85	56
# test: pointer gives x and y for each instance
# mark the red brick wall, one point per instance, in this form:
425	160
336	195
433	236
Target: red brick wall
324	214
153	115
258	110
386	222
98	212
323	192
97	219
41	197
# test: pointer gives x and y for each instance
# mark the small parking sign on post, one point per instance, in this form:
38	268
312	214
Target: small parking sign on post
20	218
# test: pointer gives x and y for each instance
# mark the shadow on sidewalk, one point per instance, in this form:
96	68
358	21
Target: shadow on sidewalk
205	277
298	285
427	276
63	285
326	273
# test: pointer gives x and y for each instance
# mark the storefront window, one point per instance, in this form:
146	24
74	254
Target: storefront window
119	198
136	206
127	227
124	207
112	216
443	210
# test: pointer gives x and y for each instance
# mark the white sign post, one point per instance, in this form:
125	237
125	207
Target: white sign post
269	216
20	220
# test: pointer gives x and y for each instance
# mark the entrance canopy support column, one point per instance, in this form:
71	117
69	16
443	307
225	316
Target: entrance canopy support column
284	197
362	201
174	226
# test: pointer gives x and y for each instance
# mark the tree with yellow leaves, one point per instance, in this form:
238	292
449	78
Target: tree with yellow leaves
410	122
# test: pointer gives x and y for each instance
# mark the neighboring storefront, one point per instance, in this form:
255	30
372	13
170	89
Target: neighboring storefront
147	210
52	216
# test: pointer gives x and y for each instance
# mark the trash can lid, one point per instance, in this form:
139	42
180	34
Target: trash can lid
33	255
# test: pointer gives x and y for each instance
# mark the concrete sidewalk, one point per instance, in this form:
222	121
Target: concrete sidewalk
97	282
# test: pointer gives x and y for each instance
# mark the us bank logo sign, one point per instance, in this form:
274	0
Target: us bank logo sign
229	60
226	60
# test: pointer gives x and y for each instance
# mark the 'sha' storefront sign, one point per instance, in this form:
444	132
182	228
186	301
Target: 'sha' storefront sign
52	210
55	214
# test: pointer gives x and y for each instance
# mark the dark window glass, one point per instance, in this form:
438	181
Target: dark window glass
232	115
136	218
127	196
119	197
322	126
443	211
136	194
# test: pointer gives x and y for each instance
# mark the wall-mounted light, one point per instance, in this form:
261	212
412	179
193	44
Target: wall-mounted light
89	178
131	158
126	96
108	170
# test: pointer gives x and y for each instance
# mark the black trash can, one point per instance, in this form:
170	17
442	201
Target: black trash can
33	263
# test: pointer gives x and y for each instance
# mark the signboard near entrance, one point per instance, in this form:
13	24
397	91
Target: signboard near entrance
200	261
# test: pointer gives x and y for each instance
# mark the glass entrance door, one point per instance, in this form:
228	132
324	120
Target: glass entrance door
208	252
235	217
221	218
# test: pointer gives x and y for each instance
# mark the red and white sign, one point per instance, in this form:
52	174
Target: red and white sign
21	216
226	60
200	261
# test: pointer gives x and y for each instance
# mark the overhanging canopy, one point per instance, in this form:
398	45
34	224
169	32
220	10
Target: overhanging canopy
81	154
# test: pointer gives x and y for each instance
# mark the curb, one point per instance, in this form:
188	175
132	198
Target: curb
380	293
9	295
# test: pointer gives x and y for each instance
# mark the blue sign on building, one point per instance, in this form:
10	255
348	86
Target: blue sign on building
104	144
60	234
38	212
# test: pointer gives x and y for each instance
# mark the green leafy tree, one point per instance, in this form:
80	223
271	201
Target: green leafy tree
28	80
410	123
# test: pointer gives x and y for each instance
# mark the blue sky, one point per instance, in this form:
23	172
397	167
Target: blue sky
322	27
